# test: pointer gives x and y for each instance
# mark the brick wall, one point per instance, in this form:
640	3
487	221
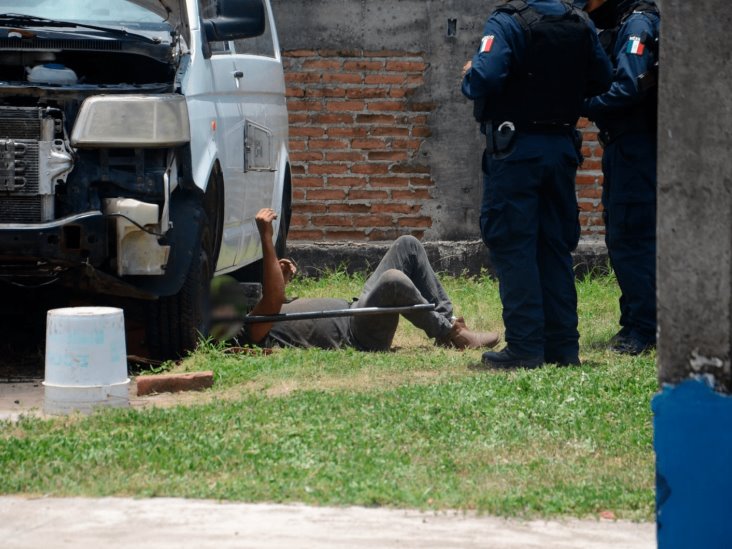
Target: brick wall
357	133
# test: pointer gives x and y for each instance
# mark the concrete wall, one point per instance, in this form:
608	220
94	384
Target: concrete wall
693	412
441	35
695	191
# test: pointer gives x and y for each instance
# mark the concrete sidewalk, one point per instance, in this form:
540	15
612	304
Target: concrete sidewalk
177	523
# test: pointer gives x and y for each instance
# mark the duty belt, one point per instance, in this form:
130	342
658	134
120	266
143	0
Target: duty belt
544	127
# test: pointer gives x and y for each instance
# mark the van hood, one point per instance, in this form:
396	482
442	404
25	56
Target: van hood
174	10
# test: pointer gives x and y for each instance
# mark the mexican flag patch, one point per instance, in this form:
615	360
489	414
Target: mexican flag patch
487	43
635	46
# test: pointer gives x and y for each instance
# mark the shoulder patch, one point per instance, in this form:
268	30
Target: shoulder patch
635	46
486	44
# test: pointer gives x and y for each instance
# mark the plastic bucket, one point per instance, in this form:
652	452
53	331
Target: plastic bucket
86	360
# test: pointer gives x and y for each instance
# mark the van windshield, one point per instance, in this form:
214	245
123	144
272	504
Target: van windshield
116	12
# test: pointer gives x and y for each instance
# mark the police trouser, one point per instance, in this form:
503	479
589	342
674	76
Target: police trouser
629	200
529	221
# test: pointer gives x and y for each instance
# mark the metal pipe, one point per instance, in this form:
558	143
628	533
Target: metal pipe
362	311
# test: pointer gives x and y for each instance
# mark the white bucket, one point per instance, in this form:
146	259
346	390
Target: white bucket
86	360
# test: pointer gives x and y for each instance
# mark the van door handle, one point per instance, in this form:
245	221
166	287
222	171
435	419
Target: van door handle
238	74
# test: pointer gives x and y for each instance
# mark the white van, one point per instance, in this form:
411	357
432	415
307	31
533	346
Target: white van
138	139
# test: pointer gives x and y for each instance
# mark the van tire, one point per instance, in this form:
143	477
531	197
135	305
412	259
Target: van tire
177	323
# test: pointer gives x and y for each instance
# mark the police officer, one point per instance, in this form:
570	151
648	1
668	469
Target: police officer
537	61
626	117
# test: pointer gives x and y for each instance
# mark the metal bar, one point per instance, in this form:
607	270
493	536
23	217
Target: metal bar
309	315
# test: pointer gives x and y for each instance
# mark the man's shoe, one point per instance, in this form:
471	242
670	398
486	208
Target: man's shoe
508	360
631	346
563	360
621	336
460	337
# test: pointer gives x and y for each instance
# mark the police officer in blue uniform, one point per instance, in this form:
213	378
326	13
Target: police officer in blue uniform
626	117
538	60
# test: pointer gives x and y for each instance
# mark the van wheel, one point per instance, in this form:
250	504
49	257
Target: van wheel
176	323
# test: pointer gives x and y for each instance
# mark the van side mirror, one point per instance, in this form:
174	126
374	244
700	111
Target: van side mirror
235	19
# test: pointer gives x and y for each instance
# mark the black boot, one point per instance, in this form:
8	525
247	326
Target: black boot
508	360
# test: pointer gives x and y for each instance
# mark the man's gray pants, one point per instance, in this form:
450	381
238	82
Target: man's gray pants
404	277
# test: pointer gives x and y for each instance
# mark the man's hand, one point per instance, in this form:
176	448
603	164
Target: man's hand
288	269
264	219
467	66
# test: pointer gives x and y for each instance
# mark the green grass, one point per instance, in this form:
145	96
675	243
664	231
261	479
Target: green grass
418	427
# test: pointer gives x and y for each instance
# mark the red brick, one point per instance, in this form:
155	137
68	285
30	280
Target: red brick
332	221
420	194
387	155
592	165
174	383
344	235
304	105
397	208
311	207
297	234
372	220
370	168
306	131
329	168
343	78
367	195
415	221
391	53
297	118
386	106
368	144
384	79
349	208
363	65
411	144
390	131
333	119
590	193
302	78
390	181
367	93
328	144
348	131
306	156
325	92
300	53
322	64
421	181
406	66
382	119
326	194
348	106
303	181
410	168
340	181
294	92
341	156
421	131
586	206
585	179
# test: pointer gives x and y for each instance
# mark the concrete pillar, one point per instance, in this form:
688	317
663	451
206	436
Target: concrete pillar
693	412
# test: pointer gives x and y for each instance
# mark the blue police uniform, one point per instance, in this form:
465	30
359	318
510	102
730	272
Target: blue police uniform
626	117
529	215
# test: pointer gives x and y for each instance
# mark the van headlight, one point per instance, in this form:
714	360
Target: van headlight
132	121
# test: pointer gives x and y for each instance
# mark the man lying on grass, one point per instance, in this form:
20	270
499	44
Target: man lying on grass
403	278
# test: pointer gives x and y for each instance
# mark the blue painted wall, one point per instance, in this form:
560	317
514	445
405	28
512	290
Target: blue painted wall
693	442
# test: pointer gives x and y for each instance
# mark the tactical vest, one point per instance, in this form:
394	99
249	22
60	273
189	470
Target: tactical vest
549	85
